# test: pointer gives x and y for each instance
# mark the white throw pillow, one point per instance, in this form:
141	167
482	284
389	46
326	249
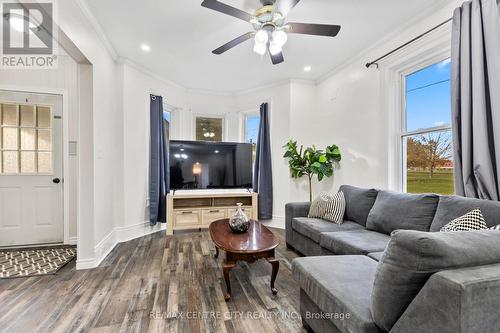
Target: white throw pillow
471	221
318	206
335	208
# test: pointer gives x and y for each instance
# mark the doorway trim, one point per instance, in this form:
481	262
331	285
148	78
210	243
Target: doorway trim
65	138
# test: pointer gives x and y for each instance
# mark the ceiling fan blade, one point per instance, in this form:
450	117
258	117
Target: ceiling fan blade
277	58
313	29
234	43
228	10
284	6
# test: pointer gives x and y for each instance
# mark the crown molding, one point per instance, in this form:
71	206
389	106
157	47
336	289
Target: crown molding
304	81
209	92
379	46
187	90
97	28
271	85
147	72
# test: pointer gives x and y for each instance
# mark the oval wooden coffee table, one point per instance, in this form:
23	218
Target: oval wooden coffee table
257	243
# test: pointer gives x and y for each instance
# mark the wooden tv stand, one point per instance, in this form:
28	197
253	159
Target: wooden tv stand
197	209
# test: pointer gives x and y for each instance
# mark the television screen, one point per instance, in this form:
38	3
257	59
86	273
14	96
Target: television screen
210	165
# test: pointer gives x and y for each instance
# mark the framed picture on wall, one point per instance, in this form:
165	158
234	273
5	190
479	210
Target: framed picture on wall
209	128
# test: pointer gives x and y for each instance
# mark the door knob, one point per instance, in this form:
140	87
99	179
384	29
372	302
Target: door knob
56	180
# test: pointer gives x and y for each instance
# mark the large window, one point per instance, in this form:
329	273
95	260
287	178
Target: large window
426	134
252	125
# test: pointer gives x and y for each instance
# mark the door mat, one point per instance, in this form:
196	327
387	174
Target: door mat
34	262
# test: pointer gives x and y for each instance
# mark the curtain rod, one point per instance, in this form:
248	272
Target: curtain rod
375	62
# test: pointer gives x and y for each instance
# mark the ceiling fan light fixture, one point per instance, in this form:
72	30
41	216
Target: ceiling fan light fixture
270	26
279	37
261	37
274	48
260	48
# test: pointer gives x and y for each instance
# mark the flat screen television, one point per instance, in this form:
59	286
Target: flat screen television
210	165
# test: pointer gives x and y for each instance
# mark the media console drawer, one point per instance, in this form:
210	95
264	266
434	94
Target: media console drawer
187	217
214	214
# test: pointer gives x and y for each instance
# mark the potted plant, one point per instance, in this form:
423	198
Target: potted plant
311	161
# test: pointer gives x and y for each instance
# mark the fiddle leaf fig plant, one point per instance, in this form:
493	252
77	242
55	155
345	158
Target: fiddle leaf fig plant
311	161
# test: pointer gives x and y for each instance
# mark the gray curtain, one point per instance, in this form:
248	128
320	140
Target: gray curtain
159	171
476	99
263	174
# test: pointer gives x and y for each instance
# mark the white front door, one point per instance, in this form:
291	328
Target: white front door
31	169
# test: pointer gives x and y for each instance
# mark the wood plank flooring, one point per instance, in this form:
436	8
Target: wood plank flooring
155	284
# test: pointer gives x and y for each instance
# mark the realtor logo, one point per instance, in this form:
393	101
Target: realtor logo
28	35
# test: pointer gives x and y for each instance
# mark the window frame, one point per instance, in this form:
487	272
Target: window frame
403	132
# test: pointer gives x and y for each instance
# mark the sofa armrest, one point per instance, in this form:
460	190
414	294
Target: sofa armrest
458	300
294	209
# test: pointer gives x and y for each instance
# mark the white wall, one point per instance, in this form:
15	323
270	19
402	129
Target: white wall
354	105
105	163
137	87
348	114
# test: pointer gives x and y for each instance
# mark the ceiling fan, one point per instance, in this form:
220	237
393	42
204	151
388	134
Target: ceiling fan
271	28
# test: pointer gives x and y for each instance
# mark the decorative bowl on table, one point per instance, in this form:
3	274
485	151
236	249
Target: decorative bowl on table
239	222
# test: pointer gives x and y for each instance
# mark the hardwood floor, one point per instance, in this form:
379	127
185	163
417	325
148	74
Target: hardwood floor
155	284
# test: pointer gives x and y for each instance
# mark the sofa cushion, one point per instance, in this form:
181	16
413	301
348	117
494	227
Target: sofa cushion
393	211
359	201
340	284
376	255
451	207
413	256
312	228
354	242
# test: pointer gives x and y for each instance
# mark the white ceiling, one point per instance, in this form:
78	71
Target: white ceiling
182	35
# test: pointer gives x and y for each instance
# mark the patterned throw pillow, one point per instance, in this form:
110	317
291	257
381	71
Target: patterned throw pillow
335	208
497	227
471	221
318	206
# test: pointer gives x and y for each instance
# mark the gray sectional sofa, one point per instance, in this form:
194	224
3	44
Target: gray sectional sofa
387	269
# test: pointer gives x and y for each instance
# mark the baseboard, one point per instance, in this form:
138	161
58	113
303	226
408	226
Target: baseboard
117	235
72	241
276	222
104	247
127	233
85	263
